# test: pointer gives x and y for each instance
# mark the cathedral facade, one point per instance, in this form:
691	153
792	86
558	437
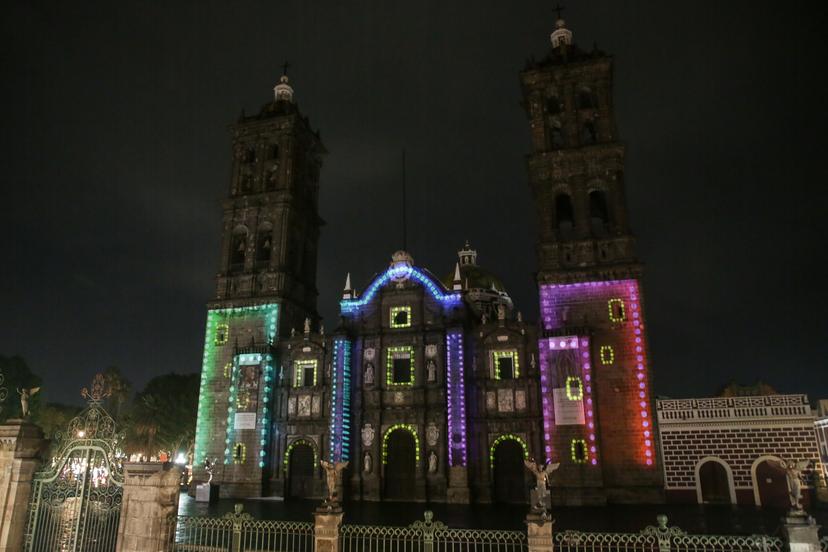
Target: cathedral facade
434	389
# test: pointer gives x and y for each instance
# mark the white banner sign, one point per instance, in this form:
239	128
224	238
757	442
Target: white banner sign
567	412
245	420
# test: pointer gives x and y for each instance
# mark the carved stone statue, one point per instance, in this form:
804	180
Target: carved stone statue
519	316
307	325
793	472
484	318
432	434
541	474
293	332
25	395
321	329
367	463
431	370
208	467
432	462
501	311
332	471
367	435
369	373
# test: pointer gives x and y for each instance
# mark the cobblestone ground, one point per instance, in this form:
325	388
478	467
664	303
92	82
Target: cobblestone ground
691	518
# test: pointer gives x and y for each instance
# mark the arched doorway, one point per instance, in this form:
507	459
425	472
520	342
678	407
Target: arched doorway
508	472
400	465
714	483
301	463
771	485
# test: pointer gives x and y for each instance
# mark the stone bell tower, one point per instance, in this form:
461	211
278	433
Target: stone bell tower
595	376
266	286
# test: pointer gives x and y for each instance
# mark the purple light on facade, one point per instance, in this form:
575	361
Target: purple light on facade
456	395
340	401
626	333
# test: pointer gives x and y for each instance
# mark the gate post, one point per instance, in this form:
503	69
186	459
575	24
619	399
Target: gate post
20	444
150	507
326	522
539	532
801	532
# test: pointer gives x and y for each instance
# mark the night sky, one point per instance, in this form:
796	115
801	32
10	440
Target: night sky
116	155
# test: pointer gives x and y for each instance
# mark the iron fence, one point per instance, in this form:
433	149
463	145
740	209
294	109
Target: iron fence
473	540
429	536
240	532
661	538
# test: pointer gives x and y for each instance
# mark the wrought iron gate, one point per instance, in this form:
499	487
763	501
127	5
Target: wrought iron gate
76	501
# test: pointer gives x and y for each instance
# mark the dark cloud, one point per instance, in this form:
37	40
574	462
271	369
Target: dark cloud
116	157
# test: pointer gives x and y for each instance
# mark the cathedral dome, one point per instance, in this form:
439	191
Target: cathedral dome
475	277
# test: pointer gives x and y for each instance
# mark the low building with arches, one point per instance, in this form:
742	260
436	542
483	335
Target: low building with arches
727	449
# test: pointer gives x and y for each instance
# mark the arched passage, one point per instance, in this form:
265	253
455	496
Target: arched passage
508	472
770	483
714	482
300	465
400	456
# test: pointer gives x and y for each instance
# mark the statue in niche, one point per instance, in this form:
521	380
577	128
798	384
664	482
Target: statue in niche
321	329
519	316
273	178
431	370
532	361
307	326
369	373
501	311
367	463
432	462
484	318
293	332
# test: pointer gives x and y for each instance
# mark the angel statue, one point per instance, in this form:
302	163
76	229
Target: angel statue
208	467
793	472
25	395
332	471
541	473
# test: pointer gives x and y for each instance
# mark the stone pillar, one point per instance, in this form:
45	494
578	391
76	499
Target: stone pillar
458	489
150	506
326	528
20	445
539	532
801	532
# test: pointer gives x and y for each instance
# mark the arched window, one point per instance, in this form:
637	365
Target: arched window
598	212
564	215
586	99
264	244
238	249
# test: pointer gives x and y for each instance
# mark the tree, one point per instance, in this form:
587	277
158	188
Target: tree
17	375
54	417
163	415
120	390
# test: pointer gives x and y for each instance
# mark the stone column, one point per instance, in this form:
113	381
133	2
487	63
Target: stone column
20	445
150	504
326	528
801	532
539	532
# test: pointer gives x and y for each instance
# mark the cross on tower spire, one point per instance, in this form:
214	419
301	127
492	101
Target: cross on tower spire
559	9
